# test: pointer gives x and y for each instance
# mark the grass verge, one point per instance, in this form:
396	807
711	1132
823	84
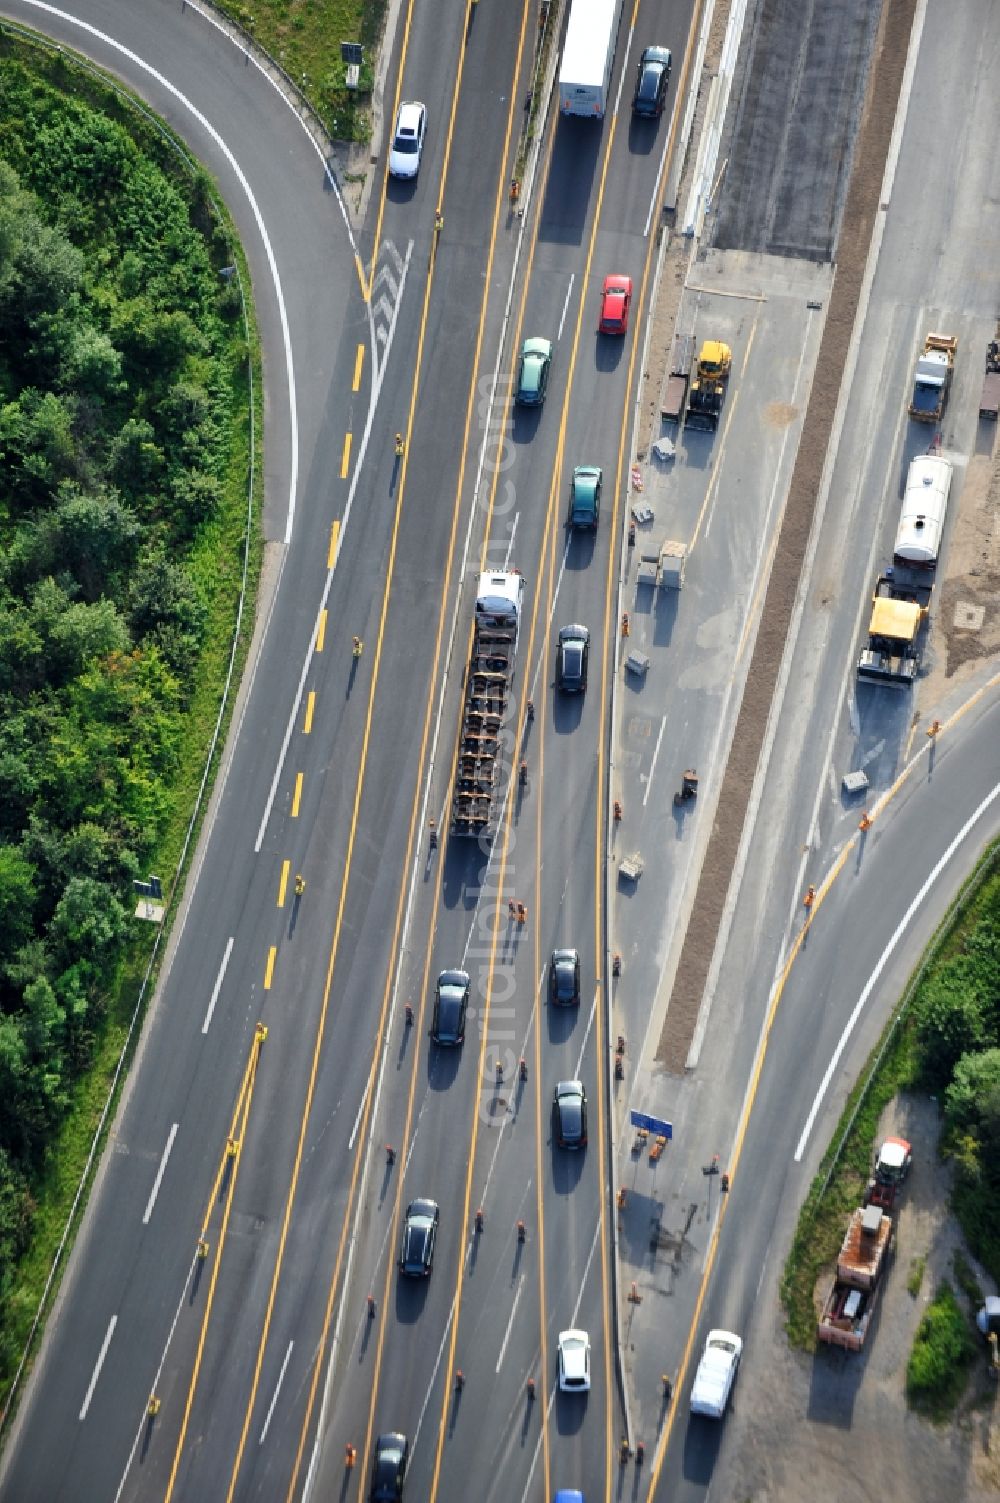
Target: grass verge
304	37
839	1186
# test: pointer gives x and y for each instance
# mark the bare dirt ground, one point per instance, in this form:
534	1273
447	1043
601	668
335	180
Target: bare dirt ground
965	624
837	1425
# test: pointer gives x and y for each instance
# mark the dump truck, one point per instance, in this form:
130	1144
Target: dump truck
489	680
676	389
933	378
858	1282
892	1165
708	389
989	402
588	53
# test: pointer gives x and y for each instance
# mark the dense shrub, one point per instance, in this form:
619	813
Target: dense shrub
942	1352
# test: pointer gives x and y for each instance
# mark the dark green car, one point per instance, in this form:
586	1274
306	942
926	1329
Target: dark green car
533	372
585	496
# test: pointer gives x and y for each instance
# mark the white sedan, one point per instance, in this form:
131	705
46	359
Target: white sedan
574	1361
713	1382
408	139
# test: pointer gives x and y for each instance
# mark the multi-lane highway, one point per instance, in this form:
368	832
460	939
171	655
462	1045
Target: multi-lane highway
238	1261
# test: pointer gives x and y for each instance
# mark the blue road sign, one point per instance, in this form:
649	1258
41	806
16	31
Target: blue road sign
655	1125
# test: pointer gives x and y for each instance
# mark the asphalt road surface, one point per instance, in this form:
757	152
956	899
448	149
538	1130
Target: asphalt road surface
265	1354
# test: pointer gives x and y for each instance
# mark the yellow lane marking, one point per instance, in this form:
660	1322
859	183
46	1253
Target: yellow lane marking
331	559
345	458
363	283
236	1135
321	627
297	795
307	724
359	365
286	867
272	955
322	1344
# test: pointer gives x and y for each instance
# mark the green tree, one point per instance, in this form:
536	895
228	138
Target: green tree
950	1022
37	446
95	538
17	900
973	1097
89	923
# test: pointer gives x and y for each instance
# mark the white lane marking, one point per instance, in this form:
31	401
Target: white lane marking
293	714
361	1108
98	1365
510	1322
159	1176
569	293
277	1390
875	753
510	545
659	173
652	765
883	961
218	985
586	1035
552	1391
206	125
434	1373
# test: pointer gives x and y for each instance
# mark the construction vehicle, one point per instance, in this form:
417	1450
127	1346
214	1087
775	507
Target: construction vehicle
900	607
925	506
708	389
933	378
892	1165
861	1264
676	388
488	682
901	601
989	402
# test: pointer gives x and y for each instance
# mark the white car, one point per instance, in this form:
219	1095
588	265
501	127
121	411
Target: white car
408	139
713	1382
574	1361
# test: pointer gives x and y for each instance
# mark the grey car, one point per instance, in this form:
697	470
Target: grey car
451	1000
564	977
569	1108
572	656
416	1254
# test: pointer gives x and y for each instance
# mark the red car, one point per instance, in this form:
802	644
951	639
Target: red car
615	300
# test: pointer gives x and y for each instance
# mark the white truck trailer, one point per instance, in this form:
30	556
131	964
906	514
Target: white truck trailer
588	53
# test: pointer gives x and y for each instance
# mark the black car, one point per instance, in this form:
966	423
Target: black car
570	1109
651	82
419	1235
451	1000
572	656
564	978
389	1468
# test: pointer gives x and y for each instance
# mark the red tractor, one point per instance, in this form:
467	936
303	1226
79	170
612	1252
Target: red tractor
892	1164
